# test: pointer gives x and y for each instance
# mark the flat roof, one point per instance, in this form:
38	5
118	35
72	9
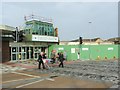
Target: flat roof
7	28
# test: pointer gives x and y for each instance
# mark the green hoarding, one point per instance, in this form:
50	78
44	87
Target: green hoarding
88	52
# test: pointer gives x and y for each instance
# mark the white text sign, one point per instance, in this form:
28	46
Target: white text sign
44	38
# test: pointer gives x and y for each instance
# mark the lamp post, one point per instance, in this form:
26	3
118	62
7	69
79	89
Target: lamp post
90	42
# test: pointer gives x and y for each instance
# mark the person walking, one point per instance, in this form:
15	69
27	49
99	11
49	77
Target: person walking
40	60
61	59
44	55
53	57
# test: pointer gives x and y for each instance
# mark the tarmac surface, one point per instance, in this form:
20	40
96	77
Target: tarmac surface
75	74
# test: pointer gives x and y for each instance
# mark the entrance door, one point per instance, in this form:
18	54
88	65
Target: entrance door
37	50
23	53
43	49
14	53
31	52
27	52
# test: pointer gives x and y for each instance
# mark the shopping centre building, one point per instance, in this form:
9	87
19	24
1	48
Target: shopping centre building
38	34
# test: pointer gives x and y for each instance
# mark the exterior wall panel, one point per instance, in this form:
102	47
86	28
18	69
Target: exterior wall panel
88	52
5	51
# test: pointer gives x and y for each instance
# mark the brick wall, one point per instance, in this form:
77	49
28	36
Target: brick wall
5	51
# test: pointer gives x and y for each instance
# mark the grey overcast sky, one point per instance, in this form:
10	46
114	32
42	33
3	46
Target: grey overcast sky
71	18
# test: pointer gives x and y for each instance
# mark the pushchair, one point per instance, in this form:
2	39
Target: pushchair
46	62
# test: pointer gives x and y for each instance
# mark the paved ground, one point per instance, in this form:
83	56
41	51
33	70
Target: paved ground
4	68
76	74
28	79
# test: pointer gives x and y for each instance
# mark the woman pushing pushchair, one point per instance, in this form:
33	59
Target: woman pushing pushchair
42	60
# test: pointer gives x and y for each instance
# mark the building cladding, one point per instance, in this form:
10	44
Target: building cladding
5	37
38	36
88	52
39	28
40	31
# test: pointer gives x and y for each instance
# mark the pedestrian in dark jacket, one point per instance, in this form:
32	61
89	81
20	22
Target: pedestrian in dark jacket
44	55
40	60
61	59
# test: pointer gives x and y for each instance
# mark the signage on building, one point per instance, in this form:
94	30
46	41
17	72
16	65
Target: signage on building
110	48
60	48
72	50
84	49
44	38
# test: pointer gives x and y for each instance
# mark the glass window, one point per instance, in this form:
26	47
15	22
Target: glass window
19	56
13	49
23	55
33	31
27	52
39	49
23	49
51	31
37	32
48	32
27	31
13	56
35	55
42	30
35	50
28	26
45	32
19	49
